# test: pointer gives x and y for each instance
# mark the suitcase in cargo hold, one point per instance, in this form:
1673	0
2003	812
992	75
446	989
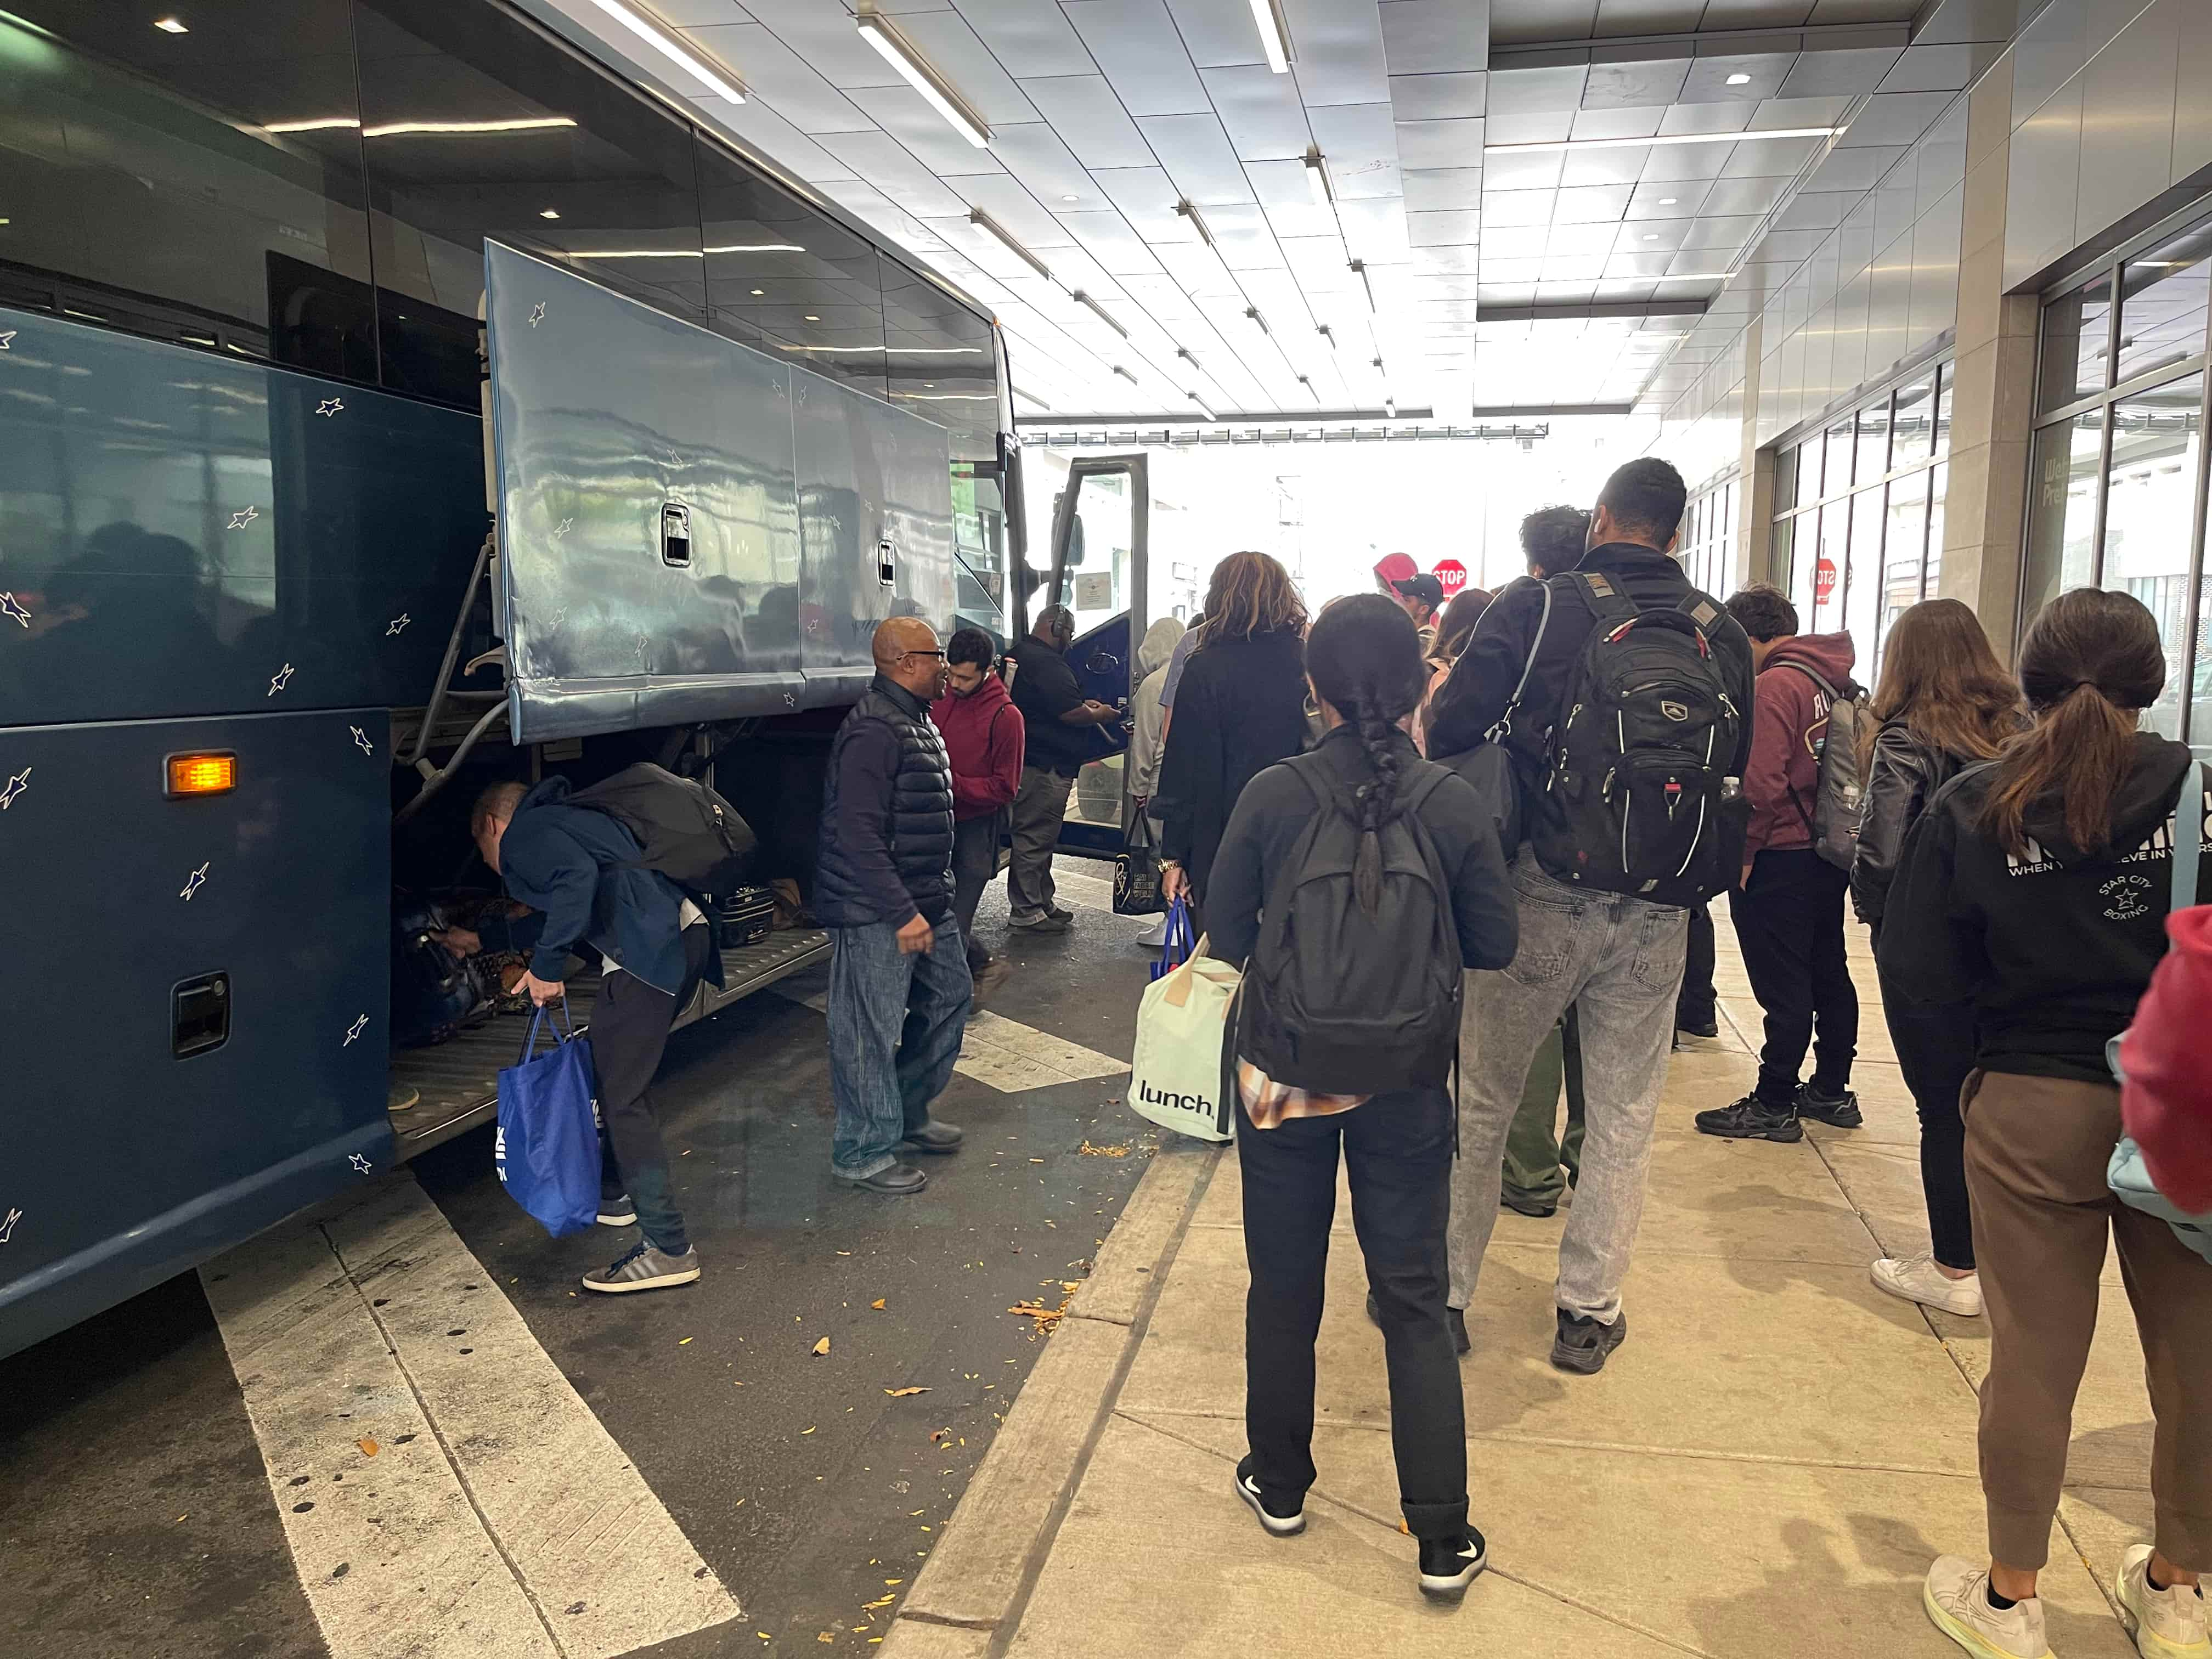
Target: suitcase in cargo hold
744	917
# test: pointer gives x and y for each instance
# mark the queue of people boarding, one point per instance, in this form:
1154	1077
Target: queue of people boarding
1434	935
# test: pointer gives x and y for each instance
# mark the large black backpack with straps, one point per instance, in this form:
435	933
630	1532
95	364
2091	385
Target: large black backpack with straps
1647	732
683	828
1340	999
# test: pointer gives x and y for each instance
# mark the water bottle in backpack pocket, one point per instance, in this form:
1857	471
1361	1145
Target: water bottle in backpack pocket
1647	736
1840	794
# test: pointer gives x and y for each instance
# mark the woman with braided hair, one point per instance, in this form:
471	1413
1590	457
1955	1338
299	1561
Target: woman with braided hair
1363	665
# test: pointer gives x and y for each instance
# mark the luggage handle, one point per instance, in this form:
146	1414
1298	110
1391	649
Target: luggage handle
537	1019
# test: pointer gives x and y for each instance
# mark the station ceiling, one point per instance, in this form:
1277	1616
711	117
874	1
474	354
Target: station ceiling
1432	205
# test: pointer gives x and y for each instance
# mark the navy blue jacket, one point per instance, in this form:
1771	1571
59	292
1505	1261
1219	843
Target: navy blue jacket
886	849
576	868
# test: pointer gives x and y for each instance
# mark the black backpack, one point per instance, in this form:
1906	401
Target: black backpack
684	828
1340	999
1647	732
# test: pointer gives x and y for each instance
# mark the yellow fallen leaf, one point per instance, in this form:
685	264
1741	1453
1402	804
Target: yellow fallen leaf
823	1347
881	1601
827	1636
681	1344
806	1432
901	1394
894	1581
367	1448
877	1305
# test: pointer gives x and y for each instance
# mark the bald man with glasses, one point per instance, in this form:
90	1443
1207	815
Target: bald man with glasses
899	986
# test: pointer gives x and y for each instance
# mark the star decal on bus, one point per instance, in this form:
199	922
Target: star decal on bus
17	786
240	520
563	528
193	883
14	607
7	338
8	1224
537	313
361	738
279	680
354	1031
361	1165
398	624
330	406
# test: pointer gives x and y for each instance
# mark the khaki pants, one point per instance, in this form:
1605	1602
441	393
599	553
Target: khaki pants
2036	1151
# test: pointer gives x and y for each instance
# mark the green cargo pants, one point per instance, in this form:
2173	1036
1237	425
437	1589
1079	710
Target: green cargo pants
1539	1165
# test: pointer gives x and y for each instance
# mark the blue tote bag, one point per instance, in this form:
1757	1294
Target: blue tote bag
1176	948
548	1152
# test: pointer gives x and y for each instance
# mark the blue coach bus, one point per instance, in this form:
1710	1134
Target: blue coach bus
392	401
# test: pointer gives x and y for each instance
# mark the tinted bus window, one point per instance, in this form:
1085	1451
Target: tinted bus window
943	362
153	183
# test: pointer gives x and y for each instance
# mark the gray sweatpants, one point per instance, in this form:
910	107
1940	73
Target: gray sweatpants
1619	959
1040	808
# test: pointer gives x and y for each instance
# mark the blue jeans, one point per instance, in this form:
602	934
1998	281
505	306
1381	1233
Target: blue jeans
894	1028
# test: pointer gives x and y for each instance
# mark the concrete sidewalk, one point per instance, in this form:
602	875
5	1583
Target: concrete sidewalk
1767	1466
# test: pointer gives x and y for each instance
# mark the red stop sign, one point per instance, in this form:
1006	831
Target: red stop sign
1451	576
1824	581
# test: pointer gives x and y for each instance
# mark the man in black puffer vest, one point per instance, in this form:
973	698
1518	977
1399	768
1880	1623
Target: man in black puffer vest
898	975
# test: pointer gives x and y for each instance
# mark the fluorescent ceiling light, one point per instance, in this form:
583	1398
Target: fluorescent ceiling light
1205	235
1317	179
721	85
1202	407
680	252
1366	287
1559	146
1312	390
949	397
1125	374
1029	397
549	213
1390	407
1258	321
171	25
983	221
902	351
1327	334
1739	81
1098	311
891	46
1274	34
402	129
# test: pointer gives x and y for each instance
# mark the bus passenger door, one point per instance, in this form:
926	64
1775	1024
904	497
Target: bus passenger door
1100	544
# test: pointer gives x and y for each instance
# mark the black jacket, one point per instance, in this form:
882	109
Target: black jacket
1240	707
2053	949
886	815
1275	808
1044	689
1469	702
1902	778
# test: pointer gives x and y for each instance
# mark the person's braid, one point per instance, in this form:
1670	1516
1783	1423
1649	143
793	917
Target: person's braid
1377	798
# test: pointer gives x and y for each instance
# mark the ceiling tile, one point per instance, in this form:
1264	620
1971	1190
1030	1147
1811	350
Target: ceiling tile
1426	36
1591	204
1652	235
1536	91
1823	210
1216	33
1709	78
891	167
1261	111
1594	237
1648	16
1634	121
1514	242
1540	170
1549	127
1752	196
1423	229
1339	53
1085	112
1374	230
1036	155
1603	167
1635	83
1197	154
1940	69
1730	231
1519	22
1517	207
1028	41
826	38
1684	163
1826	12
1424	144
1771	158
1853	169
1146	198
1664	199
1360	144
1438	97
1800	112
952	49
1495	271
783	80
1135	43
1850	72
1437	189
1895	118
1002	196
768	131
1707	117
900	112
1442	261
1107	238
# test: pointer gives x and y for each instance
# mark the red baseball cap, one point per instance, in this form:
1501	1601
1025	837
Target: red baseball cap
1394	567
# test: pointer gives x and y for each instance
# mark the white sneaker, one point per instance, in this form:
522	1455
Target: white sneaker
2167	1624
1917	1278
1957	1598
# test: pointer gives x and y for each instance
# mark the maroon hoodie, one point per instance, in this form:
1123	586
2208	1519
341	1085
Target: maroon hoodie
1788	724
983	735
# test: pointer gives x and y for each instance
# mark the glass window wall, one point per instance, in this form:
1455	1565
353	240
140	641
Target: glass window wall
1860	534
2118	462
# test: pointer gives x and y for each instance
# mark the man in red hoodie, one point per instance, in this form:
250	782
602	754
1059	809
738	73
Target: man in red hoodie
984	735
1789	913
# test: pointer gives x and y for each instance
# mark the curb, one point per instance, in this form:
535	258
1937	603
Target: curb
968	1599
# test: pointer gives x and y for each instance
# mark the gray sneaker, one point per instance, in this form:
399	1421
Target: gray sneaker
645	1268
1582	1345
1044	922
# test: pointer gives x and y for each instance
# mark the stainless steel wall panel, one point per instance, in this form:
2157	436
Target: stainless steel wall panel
2050	53
2192	116
2045	166
605	412
2128	98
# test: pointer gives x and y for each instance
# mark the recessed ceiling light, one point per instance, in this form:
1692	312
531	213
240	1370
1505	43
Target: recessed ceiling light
1738	80
171	25
1650	235
549	213
1668	201
812	317
758	292
1071	198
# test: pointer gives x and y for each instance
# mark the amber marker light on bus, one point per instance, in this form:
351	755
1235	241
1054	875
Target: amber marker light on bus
202	774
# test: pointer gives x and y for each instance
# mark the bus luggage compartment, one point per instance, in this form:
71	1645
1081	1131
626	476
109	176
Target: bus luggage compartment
196	989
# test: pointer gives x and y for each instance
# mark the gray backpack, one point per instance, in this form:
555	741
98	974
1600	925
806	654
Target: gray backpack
1837	797
1340	999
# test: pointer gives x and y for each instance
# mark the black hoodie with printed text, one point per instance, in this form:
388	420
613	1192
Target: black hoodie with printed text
2053	947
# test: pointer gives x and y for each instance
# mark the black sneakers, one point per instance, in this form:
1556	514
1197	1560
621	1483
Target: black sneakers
1837	1111
1448	1565
1582	1344
1752	1119
1283	1524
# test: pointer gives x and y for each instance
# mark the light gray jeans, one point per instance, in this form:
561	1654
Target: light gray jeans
1621	960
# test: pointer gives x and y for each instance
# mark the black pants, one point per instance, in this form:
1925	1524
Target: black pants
1789	921
1399	1149
1695	1007
629	1031
974	861
1935	1043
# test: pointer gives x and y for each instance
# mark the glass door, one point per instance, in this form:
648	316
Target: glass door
1100	545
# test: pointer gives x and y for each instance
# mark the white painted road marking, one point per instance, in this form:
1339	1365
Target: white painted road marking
497	1518
1005	1054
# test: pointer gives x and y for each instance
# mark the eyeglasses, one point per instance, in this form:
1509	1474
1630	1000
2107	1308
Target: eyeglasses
939	654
